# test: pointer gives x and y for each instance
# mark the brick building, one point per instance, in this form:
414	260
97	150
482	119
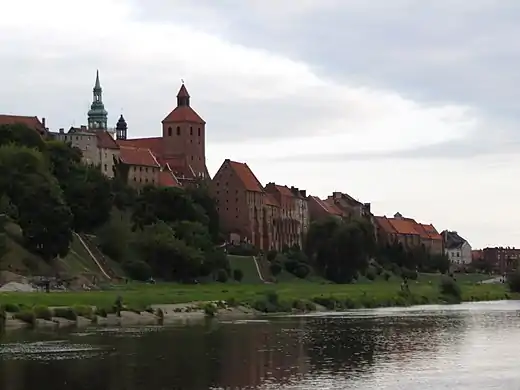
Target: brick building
409	233
269	218
500	259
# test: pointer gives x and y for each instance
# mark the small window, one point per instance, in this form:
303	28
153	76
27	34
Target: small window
169	131
191	130
199	131
106	168
191	158
178	130
146	169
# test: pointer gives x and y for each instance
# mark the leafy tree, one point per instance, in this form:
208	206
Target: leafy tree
222	276
21	135
137	269
44	217
114	240
271	255
194	234
214	259
275	268
168	257
200	194
3	237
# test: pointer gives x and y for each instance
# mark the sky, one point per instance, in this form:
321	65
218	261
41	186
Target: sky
413	106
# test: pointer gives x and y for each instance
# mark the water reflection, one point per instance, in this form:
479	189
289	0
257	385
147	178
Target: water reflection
468	347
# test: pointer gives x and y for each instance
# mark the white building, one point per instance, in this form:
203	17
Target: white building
457	248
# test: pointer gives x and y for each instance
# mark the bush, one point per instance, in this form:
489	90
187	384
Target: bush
26	316
242	249
272	297
210	309
10	308
302	271
371	273
275	268
101	312
65	312
222	276
137	269
513	281
409	274
386	276
450	289
238	275
329	303
43	312
271	255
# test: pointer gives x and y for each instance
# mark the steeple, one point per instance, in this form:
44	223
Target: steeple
183	97
97	115
121	128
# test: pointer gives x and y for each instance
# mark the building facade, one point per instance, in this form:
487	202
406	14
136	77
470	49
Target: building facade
501	259
456	248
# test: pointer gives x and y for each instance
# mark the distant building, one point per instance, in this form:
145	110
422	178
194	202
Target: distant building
31	122
457	248
500	259
409	233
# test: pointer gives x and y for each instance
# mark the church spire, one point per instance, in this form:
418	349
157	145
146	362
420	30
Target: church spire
183	97
97	115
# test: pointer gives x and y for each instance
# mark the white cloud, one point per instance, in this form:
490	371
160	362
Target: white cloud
275	106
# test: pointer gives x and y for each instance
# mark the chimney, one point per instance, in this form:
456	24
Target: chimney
336	195
83	127
43	123
303	193
367	206
62	130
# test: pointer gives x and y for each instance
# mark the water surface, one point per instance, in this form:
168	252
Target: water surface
469	346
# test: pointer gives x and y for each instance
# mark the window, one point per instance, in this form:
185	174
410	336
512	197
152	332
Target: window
146	169
191	130
178	130
169	131
191	158
106	168
199	131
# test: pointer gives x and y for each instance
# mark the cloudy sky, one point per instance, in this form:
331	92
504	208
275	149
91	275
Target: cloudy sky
412	105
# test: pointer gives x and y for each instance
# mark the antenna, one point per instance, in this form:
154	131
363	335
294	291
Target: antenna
182	81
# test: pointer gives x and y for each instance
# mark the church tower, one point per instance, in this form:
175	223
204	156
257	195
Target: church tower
97	115
184	134
121	128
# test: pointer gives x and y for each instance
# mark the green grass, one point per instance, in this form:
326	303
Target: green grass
248	267
142	295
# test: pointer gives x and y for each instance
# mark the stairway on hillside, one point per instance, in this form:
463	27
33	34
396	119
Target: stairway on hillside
264	267
100	257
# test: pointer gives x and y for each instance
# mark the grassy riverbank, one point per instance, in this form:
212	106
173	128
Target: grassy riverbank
362	294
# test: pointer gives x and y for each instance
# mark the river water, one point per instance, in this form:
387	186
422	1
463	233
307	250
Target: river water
469	346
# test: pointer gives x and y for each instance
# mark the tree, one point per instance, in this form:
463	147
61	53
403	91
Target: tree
194	234
43	215
21	135
340	249
168	257
201	196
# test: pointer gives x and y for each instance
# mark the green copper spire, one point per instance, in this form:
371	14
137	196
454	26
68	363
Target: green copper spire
97	115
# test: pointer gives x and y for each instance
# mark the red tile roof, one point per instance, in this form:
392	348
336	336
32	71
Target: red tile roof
431	232
30	121
138	156
246	176
183	114
284	191
168	179
270	200
385	224
408	226
153	143
106	141
405	226
329	208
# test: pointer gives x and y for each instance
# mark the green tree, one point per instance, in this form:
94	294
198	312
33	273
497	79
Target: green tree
168	257
43	215
200	194
194	234
21	135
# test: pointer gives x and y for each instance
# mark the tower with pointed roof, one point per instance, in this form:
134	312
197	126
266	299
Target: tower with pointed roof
121	128
97	115
184	135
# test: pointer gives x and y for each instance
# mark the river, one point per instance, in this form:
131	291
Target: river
468	346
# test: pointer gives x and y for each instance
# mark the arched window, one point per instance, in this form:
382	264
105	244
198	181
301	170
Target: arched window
169	131
178	130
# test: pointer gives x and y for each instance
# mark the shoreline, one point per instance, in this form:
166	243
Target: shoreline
170	314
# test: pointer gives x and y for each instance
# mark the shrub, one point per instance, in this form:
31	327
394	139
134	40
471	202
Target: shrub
137	269
101	312
301	271
210	309
271	255
386	276
329	303
65	312
275	268
26	316
371	273
408	273
222	276
303	305
513	281
232	302
272	297
238	275
450	289
10	308
43	312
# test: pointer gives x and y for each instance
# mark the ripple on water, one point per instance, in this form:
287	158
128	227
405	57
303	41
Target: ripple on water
49	350
127	331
